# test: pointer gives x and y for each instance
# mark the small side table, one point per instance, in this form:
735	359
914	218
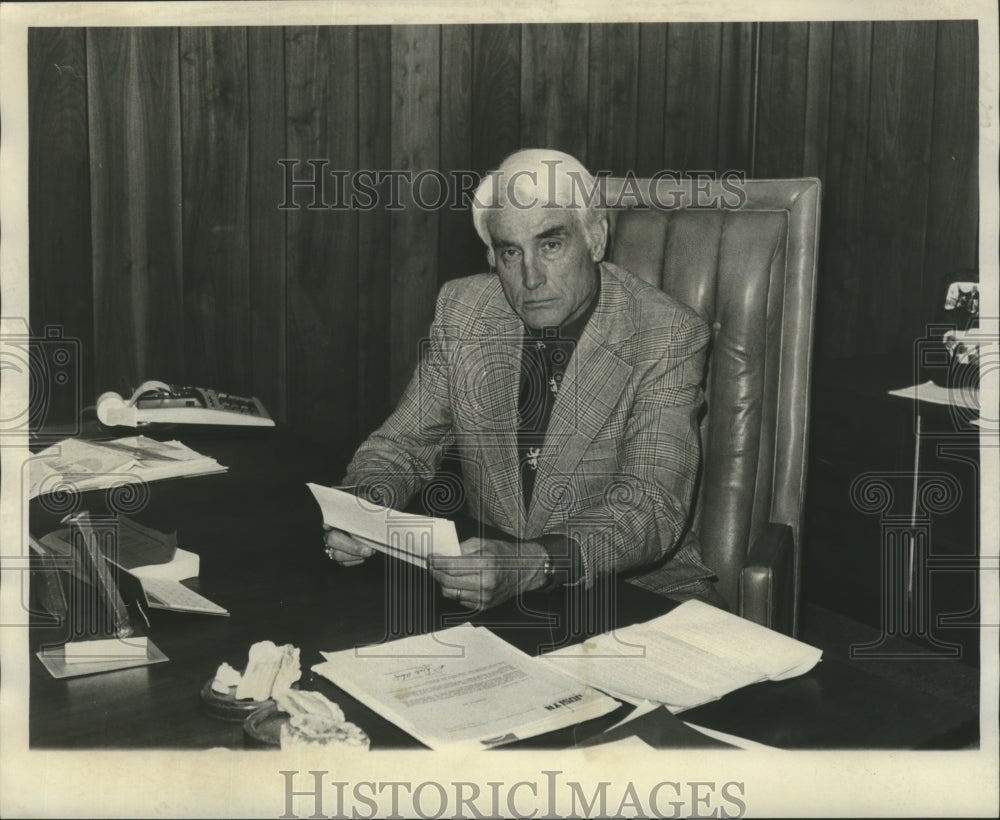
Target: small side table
906	561
965	411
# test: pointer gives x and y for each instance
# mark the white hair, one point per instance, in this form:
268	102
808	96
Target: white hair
537	176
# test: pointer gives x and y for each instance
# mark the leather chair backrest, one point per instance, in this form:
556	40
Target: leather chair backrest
747	264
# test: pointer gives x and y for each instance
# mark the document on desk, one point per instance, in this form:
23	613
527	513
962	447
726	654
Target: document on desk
410	537
692	655
967	397
165	593
463	688
97	465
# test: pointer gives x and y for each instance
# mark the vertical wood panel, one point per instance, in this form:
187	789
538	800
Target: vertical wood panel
135	181
897	183
554	61
496	108
817	123
266	110
374	297
735	97
613	84
892	132
214	144
496	94
416	122
843	225
321	283
953	200
459	248
60	288
692	117
651	96
782	99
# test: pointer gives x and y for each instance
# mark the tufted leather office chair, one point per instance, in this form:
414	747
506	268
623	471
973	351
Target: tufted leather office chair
750	272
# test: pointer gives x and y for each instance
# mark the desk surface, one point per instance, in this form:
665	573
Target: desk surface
258	532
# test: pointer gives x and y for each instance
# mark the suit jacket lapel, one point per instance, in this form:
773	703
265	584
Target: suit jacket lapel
501	368
589	392
489	387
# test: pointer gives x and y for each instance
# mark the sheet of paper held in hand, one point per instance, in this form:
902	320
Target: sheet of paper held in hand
410	537
692	655
463	688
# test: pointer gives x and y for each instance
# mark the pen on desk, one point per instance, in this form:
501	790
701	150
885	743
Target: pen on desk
143	613
139	452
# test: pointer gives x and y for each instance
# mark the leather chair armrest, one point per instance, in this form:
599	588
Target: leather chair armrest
767	580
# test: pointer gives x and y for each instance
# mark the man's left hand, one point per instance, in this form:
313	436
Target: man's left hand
489	571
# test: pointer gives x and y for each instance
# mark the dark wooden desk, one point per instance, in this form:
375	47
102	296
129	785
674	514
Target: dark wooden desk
258	532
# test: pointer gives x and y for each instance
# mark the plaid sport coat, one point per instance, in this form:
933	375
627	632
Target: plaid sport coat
621	454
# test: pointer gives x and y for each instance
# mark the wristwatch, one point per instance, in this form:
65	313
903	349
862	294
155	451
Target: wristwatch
549	571
562	565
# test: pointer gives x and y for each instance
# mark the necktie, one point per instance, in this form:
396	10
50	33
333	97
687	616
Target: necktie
543	366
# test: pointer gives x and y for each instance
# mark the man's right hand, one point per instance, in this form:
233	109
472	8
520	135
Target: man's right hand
344	548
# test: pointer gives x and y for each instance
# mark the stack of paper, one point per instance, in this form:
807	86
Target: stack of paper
139	551
463	688
97	465
692	655
106	649
162	593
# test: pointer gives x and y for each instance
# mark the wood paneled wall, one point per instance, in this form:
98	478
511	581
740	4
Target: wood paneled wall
157	238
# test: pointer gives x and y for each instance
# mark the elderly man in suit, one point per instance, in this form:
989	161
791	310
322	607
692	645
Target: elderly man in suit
571	390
